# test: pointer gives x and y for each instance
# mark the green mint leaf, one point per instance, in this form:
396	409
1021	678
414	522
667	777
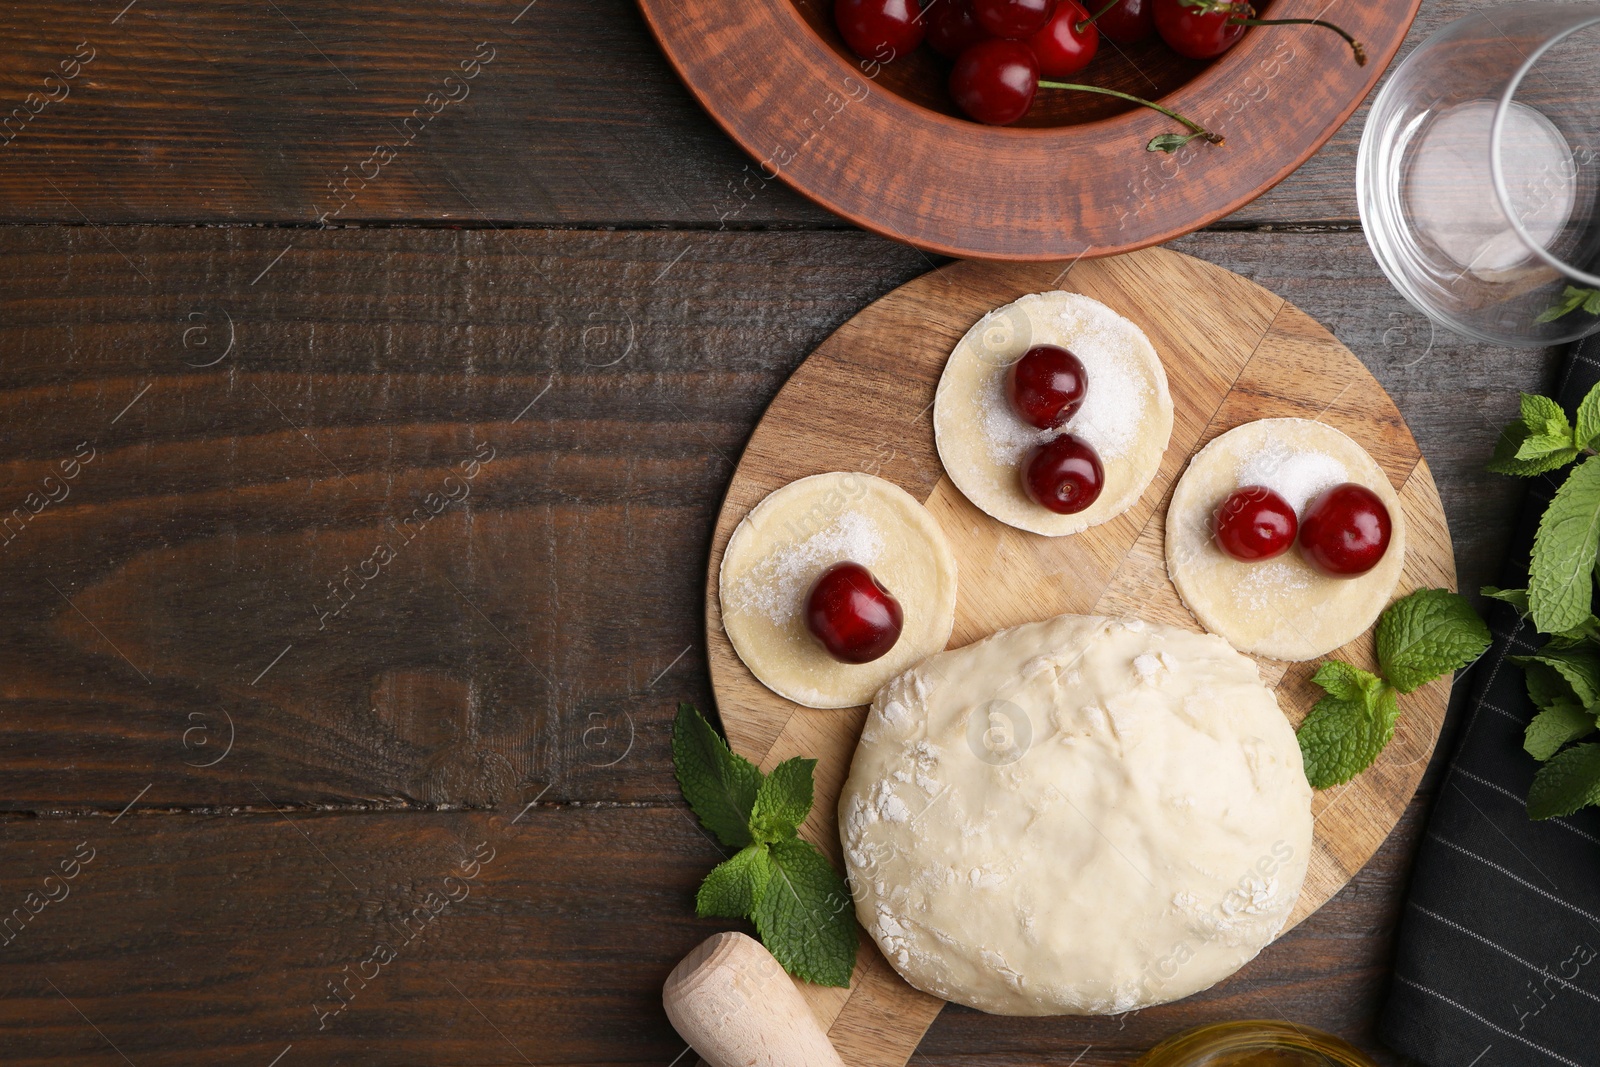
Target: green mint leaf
1571	300
1510	442
1543	416
1341	738
1546	687
1586	632
1427	634
1571	780
1578	666
719	784
1591	302
805	915
784	800
734	885
1517	598
1554	727
1560	585
1540	445
1344	682
1588	425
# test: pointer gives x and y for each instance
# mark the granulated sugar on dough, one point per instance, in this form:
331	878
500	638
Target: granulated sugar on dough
1297	475
1109	419
773	586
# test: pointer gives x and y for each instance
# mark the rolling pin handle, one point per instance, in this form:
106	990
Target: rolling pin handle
735	1005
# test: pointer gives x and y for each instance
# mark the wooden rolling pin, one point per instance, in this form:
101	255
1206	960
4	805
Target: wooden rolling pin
732	1001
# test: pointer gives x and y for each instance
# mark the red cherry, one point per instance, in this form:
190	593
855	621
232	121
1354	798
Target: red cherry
1345	531
879	29
1196	32
1013	18
1047	385
1063	474
1126	21
1061	48
852	614
994	81
952	27
1254	524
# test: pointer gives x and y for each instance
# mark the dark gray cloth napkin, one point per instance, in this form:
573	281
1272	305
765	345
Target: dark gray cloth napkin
1497	962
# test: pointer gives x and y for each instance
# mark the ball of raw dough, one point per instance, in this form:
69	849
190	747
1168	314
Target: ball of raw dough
1126	415
1078	816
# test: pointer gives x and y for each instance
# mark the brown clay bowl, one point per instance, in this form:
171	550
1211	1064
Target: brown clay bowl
883	147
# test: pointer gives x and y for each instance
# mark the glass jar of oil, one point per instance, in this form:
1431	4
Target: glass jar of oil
1255	1043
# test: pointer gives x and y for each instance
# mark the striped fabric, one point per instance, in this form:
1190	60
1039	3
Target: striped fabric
1497	962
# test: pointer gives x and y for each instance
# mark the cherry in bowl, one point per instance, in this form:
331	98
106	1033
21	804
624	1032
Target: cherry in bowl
1254	524
850	612
952	27
1064	475
1065	44
1013	18
1125	21
1047	386
994	81
1198	30
1345	531
883	30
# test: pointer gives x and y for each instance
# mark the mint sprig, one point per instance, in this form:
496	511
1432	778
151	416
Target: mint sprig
800	905
1423	636
1560	582
1562	677
1541	439
1563	680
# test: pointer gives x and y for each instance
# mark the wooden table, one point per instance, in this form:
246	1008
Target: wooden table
356	502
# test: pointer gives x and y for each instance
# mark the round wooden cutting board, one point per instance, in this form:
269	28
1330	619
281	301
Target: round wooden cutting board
1233	352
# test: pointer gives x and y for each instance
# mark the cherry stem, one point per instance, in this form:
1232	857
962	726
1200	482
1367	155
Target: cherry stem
1090	20
1164	143
1355	45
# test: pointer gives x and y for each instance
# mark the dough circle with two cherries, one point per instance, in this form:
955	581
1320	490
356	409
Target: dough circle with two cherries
1126	415
799	531
1281	608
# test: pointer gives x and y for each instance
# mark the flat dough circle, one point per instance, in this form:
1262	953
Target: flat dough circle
1076	817
798	532
1282	608
1126	415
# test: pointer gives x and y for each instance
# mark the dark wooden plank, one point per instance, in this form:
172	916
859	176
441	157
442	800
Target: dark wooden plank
249	112
432	531
217	939
257	112
189	938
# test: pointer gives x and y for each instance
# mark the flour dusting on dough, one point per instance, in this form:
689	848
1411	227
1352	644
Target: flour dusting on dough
1265	584
1113	406
776	586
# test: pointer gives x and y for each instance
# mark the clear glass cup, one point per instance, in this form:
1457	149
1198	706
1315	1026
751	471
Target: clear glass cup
1479	174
